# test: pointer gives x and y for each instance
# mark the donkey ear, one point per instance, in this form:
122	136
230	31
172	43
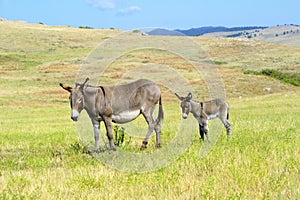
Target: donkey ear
179	97
84	85
65	87
189	96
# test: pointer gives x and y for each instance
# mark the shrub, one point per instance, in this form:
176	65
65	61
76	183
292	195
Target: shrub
290	78
85	27
216	62
119	135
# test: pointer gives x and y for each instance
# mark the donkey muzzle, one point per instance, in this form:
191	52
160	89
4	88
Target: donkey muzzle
184	115
75	115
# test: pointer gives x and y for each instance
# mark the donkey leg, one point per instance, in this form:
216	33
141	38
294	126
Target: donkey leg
96	125
201	131
151	124
205	129
227	125
228	129
110	136
157	129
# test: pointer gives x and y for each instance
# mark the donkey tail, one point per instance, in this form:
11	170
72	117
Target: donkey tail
160	116
228	112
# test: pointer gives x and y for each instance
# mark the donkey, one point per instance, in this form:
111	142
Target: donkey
204	111
118	104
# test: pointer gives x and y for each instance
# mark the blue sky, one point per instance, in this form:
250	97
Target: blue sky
134	14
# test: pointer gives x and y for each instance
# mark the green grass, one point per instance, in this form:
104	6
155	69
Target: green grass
43	158
42	155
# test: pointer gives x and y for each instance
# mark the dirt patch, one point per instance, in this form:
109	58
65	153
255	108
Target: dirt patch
58	67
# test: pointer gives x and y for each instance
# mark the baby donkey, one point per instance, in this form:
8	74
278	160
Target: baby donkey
204	111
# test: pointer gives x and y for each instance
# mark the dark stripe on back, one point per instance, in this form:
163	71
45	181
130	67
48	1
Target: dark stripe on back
102	88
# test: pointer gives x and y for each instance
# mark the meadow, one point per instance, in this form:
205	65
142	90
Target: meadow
43	156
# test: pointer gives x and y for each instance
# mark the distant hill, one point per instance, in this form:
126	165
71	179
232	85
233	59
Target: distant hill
284	35
202	30
213	29
164	32
288	34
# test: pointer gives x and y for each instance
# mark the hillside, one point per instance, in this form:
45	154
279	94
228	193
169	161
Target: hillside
212	29
42	56
281	34
203	30
37	57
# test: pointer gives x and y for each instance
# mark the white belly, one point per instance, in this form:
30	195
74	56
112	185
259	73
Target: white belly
213	116
125	116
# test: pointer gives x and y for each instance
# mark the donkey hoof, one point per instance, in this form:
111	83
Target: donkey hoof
112	150
144	146
158	146
92	151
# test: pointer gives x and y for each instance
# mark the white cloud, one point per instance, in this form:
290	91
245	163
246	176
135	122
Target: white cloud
103	4
129	10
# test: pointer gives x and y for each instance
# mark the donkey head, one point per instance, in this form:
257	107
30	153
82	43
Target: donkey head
76	98
185	104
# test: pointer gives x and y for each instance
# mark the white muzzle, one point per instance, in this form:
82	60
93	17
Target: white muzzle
75	115
184	115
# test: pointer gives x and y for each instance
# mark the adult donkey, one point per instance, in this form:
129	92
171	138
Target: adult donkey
119	104
204	111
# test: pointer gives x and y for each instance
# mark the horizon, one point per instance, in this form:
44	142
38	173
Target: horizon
153	28
138	14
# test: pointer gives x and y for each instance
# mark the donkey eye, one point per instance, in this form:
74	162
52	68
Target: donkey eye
80	99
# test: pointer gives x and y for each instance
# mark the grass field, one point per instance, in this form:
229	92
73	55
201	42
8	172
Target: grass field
42	155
